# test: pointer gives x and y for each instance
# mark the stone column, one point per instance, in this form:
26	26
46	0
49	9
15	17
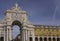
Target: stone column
42	38
10	35
38	38
5	33
24	38
56	38
23	35
26	35
52	38
47	38
33	36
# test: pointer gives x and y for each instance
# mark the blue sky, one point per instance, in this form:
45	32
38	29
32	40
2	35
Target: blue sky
15	31
42	12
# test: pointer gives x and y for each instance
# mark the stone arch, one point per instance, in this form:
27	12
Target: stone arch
17	16
18	23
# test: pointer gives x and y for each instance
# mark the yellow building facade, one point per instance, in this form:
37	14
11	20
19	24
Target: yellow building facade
47	33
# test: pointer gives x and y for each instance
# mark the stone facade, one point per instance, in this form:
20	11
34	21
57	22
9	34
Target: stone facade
29	32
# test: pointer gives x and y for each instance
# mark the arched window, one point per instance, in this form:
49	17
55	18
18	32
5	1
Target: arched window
40	38
36	38
30	38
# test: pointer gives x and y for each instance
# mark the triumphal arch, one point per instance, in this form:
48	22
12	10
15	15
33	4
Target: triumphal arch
15	16
28	31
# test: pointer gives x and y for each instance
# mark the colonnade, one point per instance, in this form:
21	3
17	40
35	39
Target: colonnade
8	34
47	39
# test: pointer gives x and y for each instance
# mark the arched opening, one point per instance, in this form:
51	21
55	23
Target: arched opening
30	38
54	39
58	39
16	31
40	38
36	38
45	39
49	39
1	38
